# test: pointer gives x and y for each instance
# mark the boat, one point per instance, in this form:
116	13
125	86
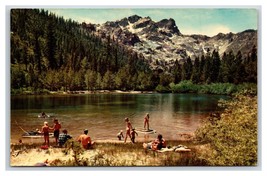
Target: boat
33	134
145	131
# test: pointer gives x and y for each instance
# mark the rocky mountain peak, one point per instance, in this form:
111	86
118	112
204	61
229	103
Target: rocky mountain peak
133	18
169	24
162	41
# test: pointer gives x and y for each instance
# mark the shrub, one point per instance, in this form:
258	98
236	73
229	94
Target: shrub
184	87
233	137
162	89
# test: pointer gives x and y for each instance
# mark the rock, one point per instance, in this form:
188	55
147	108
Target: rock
123	22
170	25
144	22
163	40
134	18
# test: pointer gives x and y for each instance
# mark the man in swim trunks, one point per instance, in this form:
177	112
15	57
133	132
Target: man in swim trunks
56	128
85	140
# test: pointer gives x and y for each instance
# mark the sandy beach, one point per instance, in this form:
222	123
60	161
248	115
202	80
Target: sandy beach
104	153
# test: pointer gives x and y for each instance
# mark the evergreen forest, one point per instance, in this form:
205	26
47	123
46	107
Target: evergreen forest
50	53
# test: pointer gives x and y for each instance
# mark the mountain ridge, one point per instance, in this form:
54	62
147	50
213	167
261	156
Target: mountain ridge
163	40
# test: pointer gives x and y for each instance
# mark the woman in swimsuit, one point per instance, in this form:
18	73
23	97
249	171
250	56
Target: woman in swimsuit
146	122
128	129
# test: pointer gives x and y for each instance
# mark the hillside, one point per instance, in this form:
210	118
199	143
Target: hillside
50	53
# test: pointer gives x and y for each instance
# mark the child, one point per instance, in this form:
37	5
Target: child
45	131
120	135
133	133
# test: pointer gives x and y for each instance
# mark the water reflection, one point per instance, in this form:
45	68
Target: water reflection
103	114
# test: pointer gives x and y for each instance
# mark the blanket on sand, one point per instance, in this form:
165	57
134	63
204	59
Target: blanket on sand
179	148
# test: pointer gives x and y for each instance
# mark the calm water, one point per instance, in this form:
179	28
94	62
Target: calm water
103	114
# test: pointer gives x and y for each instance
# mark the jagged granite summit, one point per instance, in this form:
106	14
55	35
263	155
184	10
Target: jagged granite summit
162	41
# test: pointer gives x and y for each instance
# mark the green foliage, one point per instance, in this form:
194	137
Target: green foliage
214	88
220	88
162	89
183	87
76	149
233	136
248	89
50	52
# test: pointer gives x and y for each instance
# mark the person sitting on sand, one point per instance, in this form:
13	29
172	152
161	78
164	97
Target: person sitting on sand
146	122
157	144
85	140
133	133
128	129
45	131
120	135
56	128
63	137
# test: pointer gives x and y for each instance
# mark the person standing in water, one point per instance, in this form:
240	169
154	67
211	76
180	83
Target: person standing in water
146	122
56	128
128	129
45	131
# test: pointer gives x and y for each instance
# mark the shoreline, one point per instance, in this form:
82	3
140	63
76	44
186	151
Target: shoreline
101	92
81	92
180	137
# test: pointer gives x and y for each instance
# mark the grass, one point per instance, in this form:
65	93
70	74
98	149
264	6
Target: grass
120	154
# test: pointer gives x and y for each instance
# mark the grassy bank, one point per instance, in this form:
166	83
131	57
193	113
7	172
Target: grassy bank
214	88
105	154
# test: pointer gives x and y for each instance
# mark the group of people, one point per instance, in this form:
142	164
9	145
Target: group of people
61	138
130	132
55	128
157	144
85	139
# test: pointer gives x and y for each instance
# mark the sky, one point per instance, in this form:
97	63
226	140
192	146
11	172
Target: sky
206	21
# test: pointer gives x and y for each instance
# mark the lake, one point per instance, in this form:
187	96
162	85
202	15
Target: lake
103	114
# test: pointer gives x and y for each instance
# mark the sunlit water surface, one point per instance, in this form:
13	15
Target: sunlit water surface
103	114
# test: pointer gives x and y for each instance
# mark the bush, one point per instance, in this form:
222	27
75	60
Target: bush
184	87
233	136
162	89
222	88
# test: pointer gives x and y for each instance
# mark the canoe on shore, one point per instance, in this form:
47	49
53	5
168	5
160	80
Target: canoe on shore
35	135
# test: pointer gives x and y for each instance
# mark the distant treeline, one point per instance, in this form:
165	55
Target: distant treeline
51	53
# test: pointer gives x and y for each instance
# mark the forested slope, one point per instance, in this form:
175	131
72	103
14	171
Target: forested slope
52	53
